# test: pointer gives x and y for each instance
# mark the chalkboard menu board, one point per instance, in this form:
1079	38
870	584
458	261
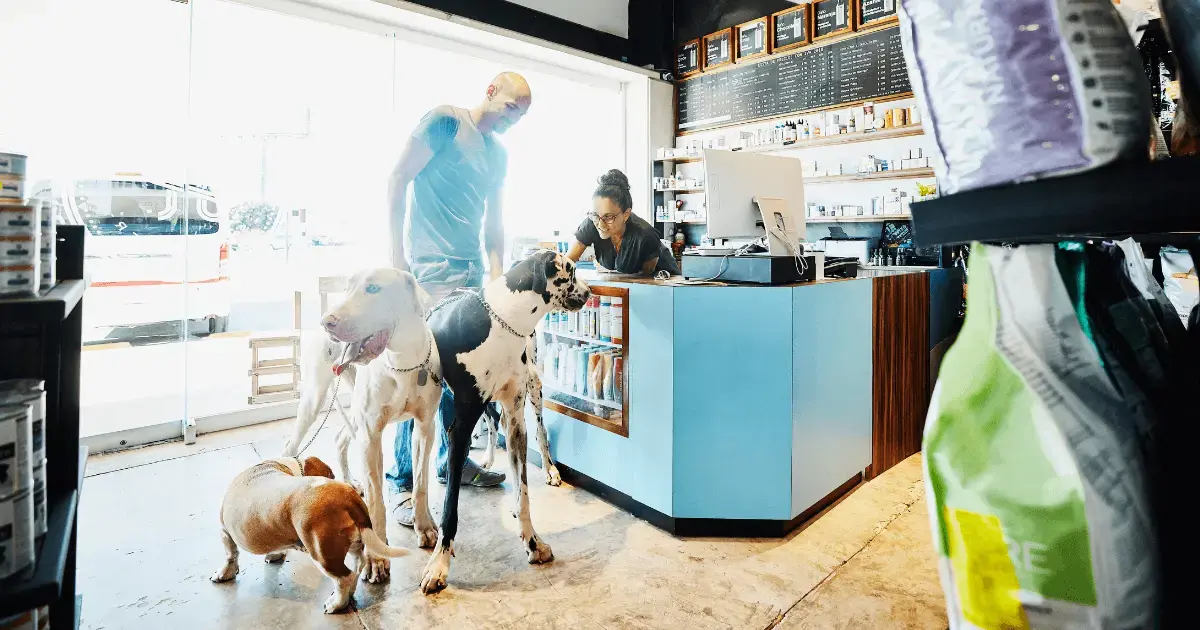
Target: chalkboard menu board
718	48
752	39
831	17
687	59
857	69
790	28
871	12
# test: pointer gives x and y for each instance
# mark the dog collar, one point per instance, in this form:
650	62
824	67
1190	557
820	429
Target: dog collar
499	320
426	370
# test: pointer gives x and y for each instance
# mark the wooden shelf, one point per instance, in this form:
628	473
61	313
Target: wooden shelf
910	173
878	218
610	404
681	190
582	338
824	141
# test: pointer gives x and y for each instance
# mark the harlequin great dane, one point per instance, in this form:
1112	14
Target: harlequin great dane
482	337
378	343
492	419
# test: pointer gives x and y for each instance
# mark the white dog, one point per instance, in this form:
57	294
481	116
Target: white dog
378	343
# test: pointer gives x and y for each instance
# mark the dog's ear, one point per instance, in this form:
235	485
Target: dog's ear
422	302
543	273
314	467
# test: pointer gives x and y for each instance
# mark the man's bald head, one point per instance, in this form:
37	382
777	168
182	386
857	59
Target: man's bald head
508	99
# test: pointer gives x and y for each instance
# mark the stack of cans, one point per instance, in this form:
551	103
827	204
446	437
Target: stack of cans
21	233
16	488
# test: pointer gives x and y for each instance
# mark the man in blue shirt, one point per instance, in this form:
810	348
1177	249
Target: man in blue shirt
456	168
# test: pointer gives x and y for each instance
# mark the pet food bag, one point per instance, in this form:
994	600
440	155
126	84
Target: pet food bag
1024	89
1033	459
1180	281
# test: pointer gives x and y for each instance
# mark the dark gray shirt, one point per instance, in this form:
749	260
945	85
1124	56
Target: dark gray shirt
639	245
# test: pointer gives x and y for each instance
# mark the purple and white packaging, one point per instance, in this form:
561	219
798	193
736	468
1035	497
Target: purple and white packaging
1024	89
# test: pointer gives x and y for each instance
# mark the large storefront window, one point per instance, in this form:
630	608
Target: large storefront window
225	158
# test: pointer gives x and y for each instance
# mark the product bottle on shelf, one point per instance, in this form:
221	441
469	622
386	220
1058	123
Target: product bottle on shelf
605	318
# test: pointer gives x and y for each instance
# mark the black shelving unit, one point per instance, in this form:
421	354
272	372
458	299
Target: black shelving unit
41	337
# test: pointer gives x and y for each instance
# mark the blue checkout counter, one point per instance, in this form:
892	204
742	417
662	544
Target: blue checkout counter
748	409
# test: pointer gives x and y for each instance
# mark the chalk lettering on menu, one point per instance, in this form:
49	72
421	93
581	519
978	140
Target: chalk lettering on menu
790	28
687	59
831	17
871	12
867	67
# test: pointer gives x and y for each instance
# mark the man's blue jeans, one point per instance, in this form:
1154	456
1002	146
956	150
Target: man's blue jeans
439	278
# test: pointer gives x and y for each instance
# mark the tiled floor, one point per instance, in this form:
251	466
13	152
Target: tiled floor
148	541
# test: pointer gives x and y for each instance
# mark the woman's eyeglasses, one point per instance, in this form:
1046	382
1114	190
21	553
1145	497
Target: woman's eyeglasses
607	219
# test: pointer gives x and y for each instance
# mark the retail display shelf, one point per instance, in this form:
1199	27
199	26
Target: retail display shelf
60	300
866	219
611	404
582	338
826	141
41	584
909	173
680	190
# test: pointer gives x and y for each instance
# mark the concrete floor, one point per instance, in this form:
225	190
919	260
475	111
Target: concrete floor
148	541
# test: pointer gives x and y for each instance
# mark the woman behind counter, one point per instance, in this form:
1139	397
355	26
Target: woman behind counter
623	241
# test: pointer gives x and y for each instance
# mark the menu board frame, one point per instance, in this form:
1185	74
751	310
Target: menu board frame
851	20
860	25
727	33
768	35
699	59
807	28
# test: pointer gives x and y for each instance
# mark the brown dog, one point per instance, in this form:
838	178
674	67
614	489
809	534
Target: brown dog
282	504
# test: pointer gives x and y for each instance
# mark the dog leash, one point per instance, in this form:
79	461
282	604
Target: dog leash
332	401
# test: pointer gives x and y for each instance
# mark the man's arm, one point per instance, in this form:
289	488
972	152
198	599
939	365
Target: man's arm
416	155
493	232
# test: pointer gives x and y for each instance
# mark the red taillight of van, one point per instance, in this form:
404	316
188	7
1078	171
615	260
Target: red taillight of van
224	260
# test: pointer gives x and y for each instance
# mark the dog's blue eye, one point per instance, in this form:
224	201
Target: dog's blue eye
372	288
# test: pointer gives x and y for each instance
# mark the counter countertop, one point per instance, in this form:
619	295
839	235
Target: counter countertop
599	277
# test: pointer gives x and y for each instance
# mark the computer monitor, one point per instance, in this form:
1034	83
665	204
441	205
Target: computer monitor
734	179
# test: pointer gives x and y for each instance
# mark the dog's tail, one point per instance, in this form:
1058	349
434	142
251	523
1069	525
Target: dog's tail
376	546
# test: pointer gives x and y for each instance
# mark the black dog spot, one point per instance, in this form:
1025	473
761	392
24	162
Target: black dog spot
533	310
558	282
532	544
524	359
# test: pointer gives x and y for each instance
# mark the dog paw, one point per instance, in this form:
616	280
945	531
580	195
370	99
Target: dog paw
552	476
538	552
436	570
376	570
227	572
427	537
336	603
275	556
433	581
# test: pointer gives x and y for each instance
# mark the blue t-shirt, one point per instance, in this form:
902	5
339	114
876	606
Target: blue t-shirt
448	197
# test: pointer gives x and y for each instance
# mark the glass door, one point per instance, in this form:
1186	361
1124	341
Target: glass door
102	121
292	138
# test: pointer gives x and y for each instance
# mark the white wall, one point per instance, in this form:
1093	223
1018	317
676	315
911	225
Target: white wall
610	16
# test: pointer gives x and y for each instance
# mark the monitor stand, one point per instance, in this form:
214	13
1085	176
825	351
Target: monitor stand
779	223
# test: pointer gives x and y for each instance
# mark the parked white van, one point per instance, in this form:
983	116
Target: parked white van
148	260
